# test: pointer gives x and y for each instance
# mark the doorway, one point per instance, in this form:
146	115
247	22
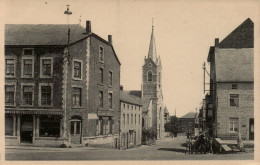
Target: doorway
75	131
26	131
251	129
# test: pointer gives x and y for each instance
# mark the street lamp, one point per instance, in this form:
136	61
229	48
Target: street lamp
66	63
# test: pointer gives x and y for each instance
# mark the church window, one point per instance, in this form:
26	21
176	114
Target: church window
150	76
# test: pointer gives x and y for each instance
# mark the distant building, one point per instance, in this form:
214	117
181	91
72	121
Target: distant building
166	115
54	97
131	120
232	84
187	122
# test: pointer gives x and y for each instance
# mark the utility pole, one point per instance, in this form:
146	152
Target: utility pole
204	67
66	64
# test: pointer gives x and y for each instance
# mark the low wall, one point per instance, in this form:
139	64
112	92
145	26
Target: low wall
106	141
11	140
230	136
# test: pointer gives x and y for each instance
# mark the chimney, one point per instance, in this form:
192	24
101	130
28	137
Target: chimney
216	41
110	39
121	88
88	27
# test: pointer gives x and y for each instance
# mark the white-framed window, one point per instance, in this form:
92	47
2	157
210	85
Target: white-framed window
110	100
46	69
77	69
27	94
10	67
123	119
149	76
27	67
76	96
45	94
101	75
101	54
28	51
101	99
234	100
10	94
110	78
233	124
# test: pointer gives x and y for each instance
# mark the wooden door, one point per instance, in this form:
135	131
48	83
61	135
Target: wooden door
75	131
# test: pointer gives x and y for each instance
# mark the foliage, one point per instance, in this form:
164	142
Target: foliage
149	135
173	125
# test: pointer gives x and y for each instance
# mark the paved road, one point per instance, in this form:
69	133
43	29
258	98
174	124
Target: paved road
166	149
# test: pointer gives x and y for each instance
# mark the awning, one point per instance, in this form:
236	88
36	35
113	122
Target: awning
35	111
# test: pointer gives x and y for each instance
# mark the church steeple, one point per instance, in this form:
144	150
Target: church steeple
152	48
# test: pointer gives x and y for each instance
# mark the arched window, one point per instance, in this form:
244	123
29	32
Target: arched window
150	76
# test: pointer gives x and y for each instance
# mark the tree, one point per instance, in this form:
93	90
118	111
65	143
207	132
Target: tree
173	125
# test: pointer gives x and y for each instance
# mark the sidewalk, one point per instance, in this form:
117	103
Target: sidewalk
37	148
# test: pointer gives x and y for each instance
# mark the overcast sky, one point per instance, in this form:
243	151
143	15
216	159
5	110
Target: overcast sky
184	31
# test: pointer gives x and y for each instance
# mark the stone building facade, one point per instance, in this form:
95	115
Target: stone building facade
52	90
130	122
232	84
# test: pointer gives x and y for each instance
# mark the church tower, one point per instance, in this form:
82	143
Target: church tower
153	107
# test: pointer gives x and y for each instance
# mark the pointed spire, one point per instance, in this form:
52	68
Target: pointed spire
152	48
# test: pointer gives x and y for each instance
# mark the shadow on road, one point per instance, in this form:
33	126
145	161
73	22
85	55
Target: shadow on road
173	149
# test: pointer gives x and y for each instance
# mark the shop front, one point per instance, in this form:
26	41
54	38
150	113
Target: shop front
41	129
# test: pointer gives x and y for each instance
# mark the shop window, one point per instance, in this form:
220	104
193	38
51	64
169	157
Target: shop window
9	125
49	126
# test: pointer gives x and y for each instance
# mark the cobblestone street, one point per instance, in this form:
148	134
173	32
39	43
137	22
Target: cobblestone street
166	149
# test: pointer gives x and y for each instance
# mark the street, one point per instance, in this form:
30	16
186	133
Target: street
165	149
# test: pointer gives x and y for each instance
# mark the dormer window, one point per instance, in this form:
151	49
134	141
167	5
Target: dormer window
150	76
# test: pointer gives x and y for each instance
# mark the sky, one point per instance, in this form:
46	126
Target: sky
184	31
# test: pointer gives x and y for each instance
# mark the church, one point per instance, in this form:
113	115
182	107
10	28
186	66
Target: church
152	97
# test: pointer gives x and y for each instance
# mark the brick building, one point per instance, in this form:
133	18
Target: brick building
231	98
83	79
187	122
130	122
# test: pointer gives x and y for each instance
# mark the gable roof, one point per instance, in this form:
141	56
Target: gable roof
241	37
42	34
126	97
190	115
47	35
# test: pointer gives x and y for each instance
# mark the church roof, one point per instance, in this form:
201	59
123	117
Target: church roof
152	48
189	115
